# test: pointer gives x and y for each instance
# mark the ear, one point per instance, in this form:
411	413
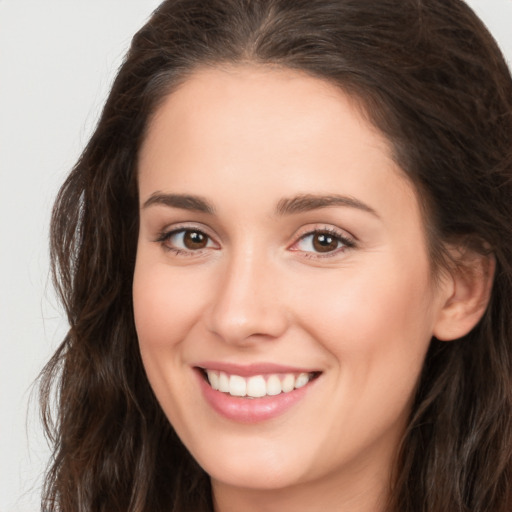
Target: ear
468	289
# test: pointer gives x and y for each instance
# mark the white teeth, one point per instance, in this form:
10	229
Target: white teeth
237	386
288	383
223	382
302	380
213	378
274	385
257	386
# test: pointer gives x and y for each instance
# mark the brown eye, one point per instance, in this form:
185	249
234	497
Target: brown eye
194	240
325	242
186	241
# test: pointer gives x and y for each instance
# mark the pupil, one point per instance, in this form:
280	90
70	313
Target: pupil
325	243
194	240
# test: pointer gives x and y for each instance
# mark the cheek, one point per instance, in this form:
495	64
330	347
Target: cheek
377	327
165	304
165	309
368	306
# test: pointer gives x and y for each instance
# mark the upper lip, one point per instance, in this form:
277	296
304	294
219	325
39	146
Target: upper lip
251	369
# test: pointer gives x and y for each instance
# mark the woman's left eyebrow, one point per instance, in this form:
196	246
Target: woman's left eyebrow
308	202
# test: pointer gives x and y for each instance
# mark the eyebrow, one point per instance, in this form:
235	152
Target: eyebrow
308	202
182	201
287	206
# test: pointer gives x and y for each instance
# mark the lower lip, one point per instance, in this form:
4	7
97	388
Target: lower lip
251	410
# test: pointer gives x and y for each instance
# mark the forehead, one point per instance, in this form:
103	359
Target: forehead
254	92
252	127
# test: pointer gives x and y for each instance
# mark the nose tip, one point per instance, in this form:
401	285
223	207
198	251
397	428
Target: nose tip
242	323
246	306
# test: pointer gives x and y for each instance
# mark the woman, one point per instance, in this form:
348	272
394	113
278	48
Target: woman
286	259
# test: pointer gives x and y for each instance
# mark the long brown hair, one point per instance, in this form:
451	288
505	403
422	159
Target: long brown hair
431	78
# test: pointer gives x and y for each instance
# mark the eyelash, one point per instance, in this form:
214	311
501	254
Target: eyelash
165	236
346	242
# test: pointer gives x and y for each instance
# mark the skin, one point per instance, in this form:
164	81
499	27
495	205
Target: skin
363	314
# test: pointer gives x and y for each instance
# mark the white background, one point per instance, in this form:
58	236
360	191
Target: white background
57	60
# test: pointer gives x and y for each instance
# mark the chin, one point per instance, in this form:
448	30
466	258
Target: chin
257	468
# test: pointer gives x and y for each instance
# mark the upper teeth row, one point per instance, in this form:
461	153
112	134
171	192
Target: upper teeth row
257	385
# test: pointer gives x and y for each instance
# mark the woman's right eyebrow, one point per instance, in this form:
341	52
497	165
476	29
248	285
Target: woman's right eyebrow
182	201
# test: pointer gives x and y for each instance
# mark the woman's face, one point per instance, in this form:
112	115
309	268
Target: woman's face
282	252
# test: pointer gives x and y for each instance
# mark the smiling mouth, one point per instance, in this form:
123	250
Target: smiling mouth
256	386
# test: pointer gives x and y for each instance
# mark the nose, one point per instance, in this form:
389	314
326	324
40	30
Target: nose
247	305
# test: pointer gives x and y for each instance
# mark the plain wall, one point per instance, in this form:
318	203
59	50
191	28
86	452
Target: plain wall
57	60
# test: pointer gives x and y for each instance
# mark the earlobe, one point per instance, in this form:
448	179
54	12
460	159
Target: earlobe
470	289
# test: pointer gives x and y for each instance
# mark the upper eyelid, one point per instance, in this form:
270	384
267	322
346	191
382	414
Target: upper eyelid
176	228
165	234
326	228
345	240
